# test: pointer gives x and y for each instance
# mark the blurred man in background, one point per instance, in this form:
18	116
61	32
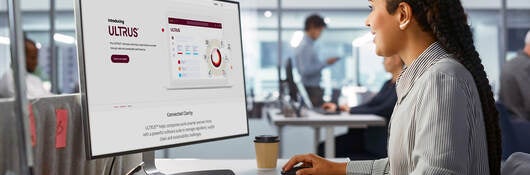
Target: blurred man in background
307	61
515	83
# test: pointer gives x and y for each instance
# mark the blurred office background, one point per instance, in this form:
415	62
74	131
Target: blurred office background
264	22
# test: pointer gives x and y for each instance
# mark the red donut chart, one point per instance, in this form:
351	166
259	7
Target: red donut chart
216	58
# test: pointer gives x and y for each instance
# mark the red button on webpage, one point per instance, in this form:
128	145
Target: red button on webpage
119	58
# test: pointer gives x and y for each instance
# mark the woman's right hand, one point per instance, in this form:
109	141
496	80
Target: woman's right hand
318	165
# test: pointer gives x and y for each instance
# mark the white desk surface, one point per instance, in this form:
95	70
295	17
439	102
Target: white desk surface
239	166
321	120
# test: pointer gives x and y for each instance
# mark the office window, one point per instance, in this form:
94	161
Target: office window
344	27
260	27
5	52
485	24
345	20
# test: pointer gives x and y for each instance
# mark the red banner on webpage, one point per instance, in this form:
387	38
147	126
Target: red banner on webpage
195	23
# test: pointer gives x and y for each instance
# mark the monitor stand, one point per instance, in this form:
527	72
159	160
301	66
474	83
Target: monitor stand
147	167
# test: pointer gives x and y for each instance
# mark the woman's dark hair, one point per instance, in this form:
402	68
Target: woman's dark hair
313	21
447	21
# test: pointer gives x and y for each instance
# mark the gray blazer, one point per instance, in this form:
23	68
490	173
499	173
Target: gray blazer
437	125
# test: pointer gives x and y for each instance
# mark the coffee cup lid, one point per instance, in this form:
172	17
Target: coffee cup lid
266	139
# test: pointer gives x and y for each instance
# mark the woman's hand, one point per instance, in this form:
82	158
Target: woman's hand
318	165
329	106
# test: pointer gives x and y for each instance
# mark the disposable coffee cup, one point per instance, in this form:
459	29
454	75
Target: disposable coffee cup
266	151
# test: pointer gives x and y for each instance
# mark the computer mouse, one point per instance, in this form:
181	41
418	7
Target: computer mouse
293	170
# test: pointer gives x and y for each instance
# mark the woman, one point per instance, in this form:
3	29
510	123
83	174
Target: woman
444	121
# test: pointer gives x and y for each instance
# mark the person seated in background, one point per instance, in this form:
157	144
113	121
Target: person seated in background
515	82
307	61
369	143
34	84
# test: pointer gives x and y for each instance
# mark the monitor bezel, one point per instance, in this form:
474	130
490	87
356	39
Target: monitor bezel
84	93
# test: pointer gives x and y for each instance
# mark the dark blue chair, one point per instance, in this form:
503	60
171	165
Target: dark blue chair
515	133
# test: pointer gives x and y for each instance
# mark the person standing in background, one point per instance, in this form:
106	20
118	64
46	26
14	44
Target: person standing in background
307	61
515	83
34	84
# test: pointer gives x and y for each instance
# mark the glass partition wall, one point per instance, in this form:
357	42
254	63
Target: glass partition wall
260	25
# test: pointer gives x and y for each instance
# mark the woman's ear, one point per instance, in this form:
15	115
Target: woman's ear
404	12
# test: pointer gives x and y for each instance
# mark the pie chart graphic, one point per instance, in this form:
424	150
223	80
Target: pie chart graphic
216	58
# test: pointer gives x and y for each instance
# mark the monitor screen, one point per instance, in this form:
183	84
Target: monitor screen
159	74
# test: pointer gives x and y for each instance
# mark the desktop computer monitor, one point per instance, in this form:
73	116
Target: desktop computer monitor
297	92
159	74
289	79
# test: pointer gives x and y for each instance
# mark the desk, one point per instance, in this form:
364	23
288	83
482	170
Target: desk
239	166
317	120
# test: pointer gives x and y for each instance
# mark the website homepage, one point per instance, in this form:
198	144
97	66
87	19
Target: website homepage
161	73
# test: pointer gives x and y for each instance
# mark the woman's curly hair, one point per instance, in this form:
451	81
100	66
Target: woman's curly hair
447	21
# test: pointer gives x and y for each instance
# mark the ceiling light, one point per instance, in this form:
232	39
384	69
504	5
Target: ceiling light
64	38
298	36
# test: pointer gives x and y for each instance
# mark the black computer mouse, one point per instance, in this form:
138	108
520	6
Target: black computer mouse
293	170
